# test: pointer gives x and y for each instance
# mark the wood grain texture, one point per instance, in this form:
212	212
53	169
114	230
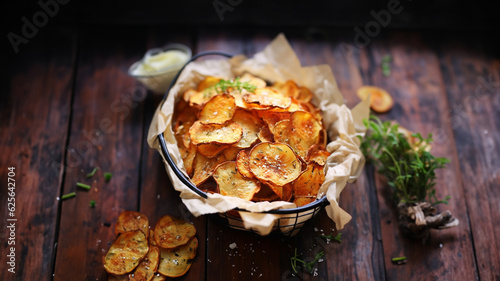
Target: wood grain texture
472	76
34	116
418	90
106	132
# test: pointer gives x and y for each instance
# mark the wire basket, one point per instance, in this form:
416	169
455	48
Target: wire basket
289	221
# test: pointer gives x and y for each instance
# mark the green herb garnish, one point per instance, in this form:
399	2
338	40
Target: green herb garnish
92	204
308	266
337	238
69	195
399	260
224	85
91	174
386	65
409	168
107	176
84	186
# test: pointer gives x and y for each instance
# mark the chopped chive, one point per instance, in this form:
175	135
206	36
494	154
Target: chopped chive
82	185
399	260
108	176
91	174
69	195
338	237
92	204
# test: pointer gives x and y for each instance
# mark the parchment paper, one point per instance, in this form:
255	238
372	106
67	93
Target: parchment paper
277	62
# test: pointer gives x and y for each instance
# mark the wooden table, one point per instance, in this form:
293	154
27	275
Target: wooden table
67	106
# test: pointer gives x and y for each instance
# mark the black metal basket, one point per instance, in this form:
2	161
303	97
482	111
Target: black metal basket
290	221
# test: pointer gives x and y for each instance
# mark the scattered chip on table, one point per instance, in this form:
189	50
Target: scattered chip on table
171	232
126	252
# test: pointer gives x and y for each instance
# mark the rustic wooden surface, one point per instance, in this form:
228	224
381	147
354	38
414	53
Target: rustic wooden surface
67	106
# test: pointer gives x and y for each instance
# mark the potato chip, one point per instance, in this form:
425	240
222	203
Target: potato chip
265	134
275	163
250	125
229	133
218	110
126	252
210	150
281	131
323	138
232	183
267	97
265	194
188	156
231	152
380	100
130	220
309	182
151	238
304	132
199	99
284	192
184	119
208	82
257	82
287	89
317	154
171	232
243	163
204	167
273	117
302	201
147	268
305	95
158	277
309	107
176	262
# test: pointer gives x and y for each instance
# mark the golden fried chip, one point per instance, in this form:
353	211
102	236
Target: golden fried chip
323	138
265	194
287	89
251	126
273	117
126	252
302	201
317	154
228	133
309	182
147	268
275	163
305	95
267	97
304	132
199	99
158	277
171	232
208	82
210	150
218	110
380	100
176	262
284	193
281	131
204	167
243	163
231	152
232	183
183	120
265	134
257	82
130	220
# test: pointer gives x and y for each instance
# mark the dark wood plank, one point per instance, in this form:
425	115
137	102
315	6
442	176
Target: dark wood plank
417	85
106	132
471	73
158	197
35	102
362	243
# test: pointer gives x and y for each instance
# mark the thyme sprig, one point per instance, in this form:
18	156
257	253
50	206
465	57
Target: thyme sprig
308	266
408	167
223	86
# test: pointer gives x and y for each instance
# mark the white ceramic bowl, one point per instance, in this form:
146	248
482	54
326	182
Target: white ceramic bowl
158	79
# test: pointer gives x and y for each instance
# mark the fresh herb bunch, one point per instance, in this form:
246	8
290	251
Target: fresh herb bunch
408	167
224	85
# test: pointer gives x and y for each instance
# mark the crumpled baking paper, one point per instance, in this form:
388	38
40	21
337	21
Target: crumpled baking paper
277	62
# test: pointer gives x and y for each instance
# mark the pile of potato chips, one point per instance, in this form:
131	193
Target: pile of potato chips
139	253
245	139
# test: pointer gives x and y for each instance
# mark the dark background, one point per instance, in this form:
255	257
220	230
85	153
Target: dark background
319	16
